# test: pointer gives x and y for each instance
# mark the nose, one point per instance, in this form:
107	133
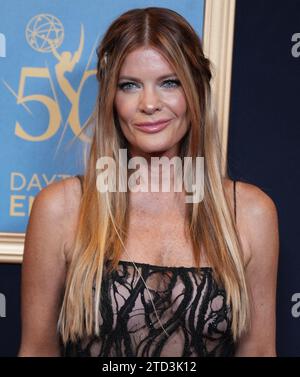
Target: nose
150	101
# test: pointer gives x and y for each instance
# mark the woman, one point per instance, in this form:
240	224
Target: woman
145	273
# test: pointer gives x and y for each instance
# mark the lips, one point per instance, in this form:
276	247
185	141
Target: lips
152	123
152	127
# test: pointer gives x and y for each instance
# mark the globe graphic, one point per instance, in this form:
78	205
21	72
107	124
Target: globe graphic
43	30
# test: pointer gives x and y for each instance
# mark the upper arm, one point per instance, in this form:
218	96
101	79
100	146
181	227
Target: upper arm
261	223
43	273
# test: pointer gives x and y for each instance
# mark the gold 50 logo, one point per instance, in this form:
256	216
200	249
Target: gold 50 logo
45	34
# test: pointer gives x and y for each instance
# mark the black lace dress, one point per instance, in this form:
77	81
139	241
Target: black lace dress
187	315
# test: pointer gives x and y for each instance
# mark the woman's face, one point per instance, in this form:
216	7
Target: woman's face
149	91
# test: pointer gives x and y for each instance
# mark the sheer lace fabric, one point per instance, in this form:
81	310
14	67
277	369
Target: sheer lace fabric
188	304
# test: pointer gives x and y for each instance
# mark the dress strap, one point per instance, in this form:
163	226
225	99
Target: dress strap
234	199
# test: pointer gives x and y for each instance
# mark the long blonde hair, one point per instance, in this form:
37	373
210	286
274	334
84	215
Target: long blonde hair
103	219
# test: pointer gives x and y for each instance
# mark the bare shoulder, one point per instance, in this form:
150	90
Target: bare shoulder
258	210
262	225
255	199
50	199
47	213
252	202
58	198
44	266
73	194
56	206
256	216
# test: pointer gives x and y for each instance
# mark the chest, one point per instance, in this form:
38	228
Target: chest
158	238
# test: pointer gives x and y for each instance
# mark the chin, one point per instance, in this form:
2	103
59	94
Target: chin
152	150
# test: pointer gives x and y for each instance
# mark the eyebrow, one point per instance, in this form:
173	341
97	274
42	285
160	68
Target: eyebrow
136	79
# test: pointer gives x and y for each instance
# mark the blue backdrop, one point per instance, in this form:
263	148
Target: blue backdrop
48	90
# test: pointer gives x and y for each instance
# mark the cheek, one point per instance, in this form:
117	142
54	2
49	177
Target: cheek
178	104
125	107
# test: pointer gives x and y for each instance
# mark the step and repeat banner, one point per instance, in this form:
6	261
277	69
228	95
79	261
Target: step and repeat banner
48	90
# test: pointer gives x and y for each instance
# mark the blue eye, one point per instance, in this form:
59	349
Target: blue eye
172	83
126	85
